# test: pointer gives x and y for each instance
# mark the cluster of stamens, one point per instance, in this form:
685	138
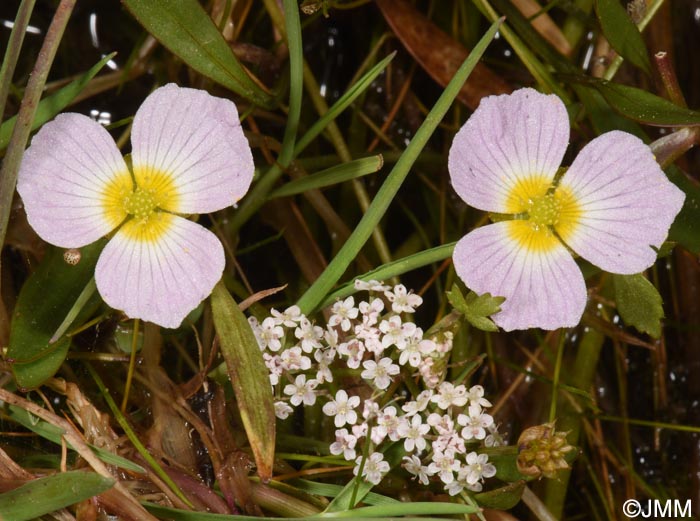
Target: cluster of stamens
140	203
544	211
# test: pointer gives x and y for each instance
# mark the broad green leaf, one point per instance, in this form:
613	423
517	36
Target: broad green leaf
44	302
503	498
331	176
184	27
55	435
622	33
639	303
45	495
52	105
476	308
640	105
249	377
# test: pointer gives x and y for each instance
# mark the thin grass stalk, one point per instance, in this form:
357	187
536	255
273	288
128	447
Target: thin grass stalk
30	101
318	291
9	62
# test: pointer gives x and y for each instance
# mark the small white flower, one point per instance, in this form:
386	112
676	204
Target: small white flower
369	336
374	468
342	408
289	317
444	465
415	348
370	285
387	425
309	335
413	465
475	424
449	395
370	409
344	444
283	410
274	365
343	312
353	351
380	372
478	468
413	431
301	391
371	310
420	403
442	423
325	359
475	395
293	360
396	332
402	301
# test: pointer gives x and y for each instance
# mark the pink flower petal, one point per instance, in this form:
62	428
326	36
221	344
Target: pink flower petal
195	141
509	150
537	275
68	180
625	203
161	272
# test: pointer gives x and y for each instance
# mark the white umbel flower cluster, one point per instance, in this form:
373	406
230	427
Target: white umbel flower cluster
441	429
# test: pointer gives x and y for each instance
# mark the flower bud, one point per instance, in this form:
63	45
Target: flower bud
541	451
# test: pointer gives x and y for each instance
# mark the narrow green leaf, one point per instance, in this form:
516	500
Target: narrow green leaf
52	105
296	79
44	302
403	509
331	490
54	434
393	269
45	495
640	105
323	284
249	377
622	33
184	27
503	498
639	303
331	176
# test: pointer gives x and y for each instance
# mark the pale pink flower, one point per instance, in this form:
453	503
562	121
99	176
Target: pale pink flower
414	466
189	156
301	391
475	423
342	313
613	207
283	410
289	317
403	301
413	432
344	444
449	395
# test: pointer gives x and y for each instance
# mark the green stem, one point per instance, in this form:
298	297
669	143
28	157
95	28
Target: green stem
30	101
9	62
370	220
296	79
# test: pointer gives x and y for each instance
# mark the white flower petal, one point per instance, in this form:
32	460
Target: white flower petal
625	203
539	278
162	272
69	180
194	141
509	150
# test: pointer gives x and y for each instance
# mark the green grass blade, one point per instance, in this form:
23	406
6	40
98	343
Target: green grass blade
52	105
393	269
14	44
331	176
259	193
55	434
403	509
296	79
45	495
317	292
185	28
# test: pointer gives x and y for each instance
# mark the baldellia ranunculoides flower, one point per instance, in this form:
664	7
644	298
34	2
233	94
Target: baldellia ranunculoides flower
613	207
189	156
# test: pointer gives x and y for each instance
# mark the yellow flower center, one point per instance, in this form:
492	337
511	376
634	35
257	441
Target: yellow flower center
544	210
140	204
544	214
154	192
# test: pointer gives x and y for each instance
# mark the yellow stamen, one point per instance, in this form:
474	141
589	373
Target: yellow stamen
150	229
160	184
525	191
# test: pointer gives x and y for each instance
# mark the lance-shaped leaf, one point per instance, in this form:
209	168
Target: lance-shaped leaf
622	33
184	27
249	377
